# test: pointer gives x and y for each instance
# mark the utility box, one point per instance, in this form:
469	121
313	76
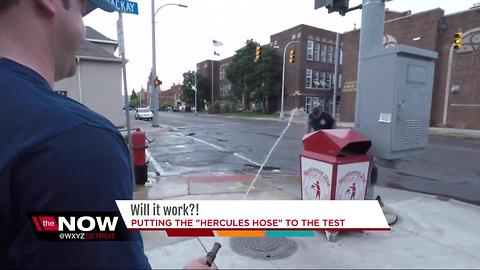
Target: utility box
334	165
395	100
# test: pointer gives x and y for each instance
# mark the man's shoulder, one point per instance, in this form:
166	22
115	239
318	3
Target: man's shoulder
31	113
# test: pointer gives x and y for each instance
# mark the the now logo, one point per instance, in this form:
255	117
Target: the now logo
75	223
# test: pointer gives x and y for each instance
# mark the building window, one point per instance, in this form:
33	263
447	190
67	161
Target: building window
221	91
339	84
309	79
341	57
322	79
222	72
316	52
275	42
323	53
328	80
310	50
316	81
330	54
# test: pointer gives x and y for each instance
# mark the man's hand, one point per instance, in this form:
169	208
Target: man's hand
199	263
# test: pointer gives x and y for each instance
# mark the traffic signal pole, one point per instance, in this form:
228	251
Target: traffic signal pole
371	38
283	76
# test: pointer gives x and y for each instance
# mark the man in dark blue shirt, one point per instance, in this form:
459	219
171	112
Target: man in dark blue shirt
318	119
55	154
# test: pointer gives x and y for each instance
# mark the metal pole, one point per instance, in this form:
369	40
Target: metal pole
371	37
283	76
196	108
335	80
153	88
211	105
125	94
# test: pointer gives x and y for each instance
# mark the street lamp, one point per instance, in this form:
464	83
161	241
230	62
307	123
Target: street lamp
154	89
196	109
283	74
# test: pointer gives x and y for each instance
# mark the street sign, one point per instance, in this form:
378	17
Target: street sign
125	6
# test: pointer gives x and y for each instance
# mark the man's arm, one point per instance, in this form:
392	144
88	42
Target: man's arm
84	169
309	125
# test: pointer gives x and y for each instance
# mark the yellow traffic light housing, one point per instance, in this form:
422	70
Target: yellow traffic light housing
258	53
458	41
292	56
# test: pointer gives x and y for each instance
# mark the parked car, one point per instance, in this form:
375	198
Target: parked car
143	114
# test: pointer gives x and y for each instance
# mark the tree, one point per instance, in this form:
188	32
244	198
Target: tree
134	103
134	95
255	81
188	89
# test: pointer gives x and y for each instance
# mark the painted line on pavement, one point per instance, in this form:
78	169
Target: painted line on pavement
224	150
159	169
155	164
247	159
213	125
209	144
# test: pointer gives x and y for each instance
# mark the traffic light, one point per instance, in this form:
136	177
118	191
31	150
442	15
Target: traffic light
292	56
258	53
458	41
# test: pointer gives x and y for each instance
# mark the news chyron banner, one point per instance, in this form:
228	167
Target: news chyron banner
232	218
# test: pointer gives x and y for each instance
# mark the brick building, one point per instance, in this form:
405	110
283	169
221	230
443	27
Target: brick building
309	80
456	94
224	85
144	96
209	69
172	96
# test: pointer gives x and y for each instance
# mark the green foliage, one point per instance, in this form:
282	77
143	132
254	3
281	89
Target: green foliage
255	81
133	95
216	108
188	89
135	102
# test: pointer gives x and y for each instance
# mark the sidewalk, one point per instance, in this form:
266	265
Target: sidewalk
430	233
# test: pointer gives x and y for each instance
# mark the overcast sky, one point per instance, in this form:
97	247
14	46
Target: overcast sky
184	35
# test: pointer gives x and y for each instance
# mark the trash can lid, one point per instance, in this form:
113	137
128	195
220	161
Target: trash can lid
336	142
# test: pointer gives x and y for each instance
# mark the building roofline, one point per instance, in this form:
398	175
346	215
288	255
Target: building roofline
398	12
402	18
113	42
302	26
100	59
472	9
415	14
289	29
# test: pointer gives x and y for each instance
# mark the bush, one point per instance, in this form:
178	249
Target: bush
216	108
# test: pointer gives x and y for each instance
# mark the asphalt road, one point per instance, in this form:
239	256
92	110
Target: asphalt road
203	144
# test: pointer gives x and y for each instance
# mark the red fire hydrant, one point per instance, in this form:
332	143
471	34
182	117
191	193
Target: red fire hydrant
140	164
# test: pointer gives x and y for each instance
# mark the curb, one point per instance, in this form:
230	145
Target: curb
445	132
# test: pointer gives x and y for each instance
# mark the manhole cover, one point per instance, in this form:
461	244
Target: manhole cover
264	248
